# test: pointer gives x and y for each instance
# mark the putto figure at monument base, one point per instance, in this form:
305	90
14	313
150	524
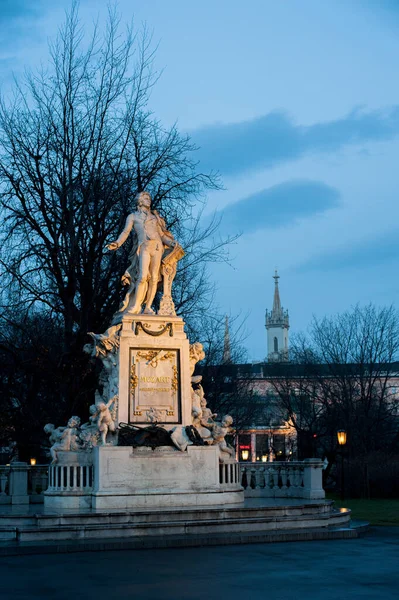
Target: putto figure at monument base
170	449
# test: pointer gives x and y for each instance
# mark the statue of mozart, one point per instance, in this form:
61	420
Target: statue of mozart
148	263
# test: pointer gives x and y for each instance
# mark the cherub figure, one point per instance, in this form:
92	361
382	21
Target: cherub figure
196	355
219	432
207	415
63	439
104	419
204	432
89	434
92	419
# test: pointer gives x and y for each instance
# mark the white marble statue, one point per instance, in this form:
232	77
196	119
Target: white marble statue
104	419
89	433
219	432
105	347
207	415
145	259
63	439
196	355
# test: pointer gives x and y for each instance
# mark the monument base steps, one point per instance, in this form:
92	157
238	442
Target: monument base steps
190	522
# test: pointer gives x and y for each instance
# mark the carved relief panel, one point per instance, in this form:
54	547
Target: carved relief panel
154	390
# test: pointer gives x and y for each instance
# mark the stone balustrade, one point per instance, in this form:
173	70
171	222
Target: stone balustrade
299	479
229	474
21	483
72	477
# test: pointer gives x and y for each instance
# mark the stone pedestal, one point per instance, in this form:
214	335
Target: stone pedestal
313	479
164	477
147	373
154	371
19	483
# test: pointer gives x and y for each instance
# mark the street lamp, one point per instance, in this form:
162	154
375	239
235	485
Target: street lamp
244	454
341	436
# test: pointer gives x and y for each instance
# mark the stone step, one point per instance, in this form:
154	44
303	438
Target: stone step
14	548
241	523
186	514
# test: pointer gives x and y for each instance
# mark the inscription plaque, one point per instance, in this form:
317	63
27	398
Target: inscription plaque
154	394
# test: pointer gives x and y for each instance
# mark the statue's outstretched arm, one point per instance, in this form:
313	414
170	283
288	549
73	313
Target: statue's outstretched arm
124	235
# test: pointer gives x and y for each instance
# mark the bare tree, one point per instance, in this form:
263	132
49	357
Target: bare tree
77	143
341	376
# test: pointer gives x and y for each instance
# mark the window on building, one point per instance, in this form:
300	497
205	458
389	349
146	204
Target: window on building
279	446
262	446
275	344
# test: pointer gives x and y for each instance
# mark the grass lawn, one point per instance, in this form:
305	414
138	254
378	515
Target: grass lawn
377	511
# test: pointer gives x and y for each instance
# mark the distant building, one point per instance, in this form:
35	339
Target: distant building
277	326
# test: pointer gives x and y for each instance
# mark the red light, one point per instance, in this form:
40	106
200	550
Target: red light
315	435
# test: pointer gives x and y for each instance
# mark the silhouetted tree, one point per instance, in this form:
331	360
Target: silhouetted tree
342	375
77	143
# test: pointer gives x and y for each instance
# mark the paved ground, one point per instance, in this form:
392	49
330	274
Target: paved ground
364	568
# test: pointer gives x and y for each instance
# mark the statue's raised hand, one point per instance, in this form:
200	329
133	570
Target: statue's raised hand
112	246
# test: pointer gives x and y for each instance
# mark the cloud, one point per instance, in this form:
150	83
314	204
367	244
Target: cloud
278	206
366	253
236	148
13	12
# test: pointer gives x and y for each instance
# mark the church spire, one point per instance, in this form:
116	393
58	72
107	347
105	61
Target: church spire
276	300
226	347
277	326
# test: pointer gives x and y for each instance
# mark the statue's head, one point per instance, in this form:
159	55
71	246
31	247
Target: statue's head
101	406
227	421
49	428
93	409
74	422
144	199
203	402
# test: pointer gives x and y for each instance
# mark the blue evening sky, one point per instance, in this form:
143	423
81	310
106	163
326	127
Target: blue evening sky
296	103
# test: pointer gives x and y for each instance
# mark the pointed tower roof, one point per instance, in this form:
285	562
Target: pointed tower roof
277	316
276	301
226	347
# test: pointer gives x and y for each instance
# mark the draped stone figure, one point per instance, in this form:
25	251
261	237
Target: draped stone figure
148	262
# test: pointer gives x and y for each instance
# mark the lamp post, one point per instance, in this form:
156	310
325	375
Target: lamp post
341	436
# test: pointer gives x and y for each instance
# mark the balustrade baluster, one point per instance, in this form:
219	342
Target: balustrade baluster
221	474
283	473
262	483
297	477
275	474
244	479
253	477
257	478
